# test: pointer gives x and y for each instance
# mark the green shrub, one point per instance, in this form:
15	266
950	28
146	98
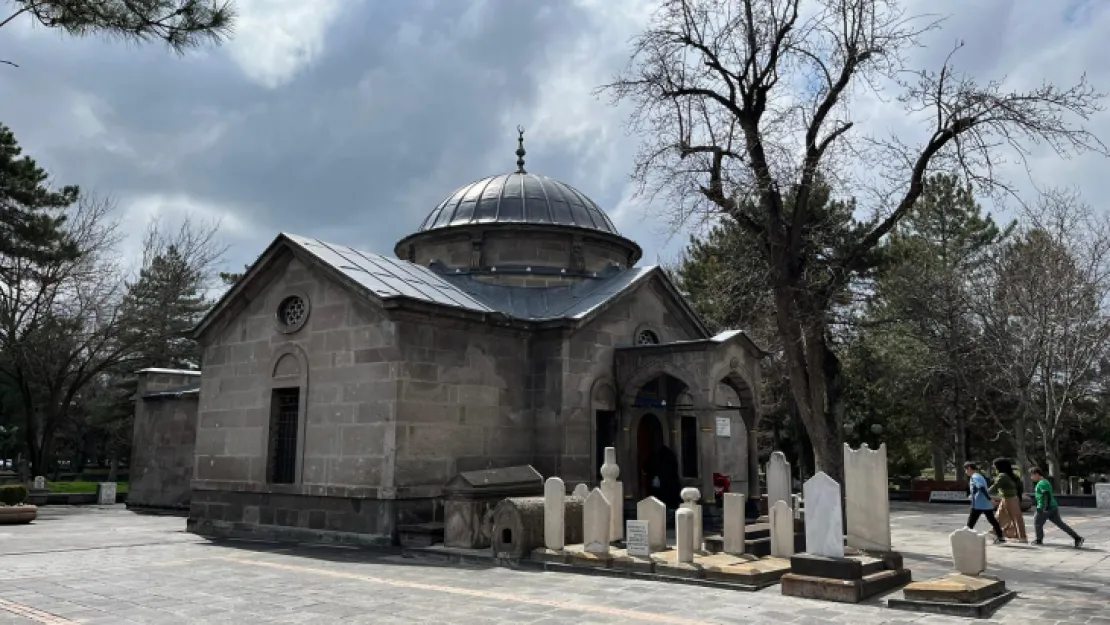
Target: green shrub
13	495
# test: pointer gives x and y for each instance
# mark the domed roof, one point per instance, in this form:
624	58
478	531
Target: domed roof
520	198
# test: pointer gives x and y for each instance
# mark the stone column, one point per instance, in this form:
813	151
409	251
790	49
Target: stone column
734	530
867	497
690	497
614	493
554	502
684	535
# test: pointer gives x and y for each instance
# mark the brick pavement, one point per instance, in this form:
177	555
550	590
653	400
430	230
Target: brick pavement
107	565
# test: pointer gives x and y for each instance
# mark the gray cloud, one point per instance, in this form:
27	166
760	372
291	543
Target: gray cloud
349	120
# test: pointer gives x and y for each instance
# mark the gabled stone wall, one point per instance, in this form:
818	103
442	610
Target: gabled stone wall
163	441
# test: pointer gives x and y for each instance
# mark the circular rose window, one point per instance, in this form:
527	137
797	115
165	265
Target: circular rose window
647	337
292	311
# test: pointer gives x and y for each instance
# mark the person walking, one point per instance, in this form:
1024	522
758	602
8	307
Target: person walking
981	504
1007	488
1048	510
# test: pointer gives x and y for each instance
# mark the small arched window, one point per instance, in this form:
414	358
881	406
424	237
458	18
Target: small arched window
647	337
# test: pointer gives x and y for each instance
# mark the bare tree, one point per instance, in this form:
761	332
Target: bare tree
1052	302
749	100
64	323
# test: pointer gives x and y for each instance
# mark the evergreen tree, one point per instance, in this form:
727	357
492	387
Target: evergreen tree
31	218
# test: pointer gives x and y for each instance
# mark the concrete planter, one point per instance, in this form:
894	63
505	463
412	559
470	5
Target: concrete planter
15	515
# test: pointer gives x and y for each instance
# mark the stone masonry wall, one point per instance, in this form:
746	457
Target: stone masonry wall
463	401
590	358
163	442
350	353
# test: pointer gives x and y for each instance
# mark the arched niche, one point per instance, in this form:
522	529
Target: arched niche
288	399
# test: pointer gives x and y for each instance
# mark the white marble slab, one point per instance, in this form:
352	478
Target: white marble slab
637	542
684	534
781	519
969	551
734	529
1102	496
867	498
614	492
654	512
824	516
690	497
595	523
779	480
554	509
106	493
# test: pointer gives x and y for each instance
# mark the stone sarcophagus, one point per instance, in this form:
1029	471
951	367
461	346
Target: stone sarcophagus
472	497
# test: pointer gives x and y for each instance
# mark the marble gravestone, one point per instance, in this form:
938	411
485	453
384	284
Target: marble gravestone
654	512
1102	496
39	483
969	551
581	492
779	480
824	516
636	537
684	534
595	523
782	530
734	529
554	509
867	498
106	493
614	493
690	497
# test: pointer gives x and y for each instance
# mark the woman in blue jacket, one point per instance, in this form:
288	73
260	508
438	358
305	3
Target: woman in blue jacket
981	504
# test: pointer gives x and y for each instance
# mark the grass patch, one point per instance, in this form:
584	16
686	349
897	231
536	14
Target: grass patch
81	488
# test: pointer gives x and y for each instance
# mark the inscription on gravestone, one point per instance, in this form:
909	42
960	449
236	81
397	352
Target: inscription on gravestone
637	538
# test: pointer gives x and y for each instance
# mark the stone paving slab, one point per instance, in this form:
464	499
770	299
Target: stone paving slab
108	565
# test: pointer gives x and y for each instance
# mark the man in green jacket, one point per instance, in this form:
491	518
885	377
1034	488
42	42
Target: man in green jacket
1047	510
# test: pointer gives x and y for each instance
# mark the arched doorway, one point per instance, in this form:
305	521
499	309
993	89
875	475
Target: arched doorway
649	441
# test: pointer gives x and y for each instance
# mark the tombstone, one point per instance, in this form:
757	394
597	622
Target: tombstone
39	483
554	498
581	492
779	480
1102	496
684	534
472	497
595	523
782	530
1076	489
637	538
614	493
734	529
969	551
824	516
106	493
867	498
797	506
655	513
690	497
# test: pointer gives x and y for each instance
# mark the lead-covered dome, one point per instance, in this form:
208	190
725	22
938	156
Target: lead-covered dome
521	198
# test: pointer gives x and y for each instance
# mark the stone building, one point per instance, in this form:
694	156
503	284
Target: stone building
165	430
342	389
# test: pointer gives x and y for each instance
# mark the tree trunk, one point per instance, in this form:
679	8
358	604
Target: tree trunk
961	447
938	458
1022	457
113	464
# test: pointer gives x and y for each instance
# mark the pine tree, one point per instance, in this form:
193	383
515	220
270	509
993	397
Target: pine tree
31	219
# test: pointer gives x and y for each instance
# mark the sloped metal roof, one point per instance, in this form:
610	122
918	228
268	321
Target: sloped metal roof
392	277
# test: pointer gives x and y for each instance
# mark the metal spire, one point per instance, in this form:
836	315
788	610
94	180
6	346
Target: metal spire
520	151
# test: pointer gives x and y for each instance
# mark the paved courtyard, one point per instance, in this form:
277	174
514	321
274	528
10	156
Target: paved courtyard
108	565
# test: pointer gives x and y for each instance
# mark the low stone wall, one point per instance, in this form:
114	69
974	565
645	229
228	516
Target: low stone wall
304	518
68	499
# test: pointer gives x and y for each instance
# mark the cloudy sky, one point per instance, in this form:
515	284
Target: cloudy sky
348	120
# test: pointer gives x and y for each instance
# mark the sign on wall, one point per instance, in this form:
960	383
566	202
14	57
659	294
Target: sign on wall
947	496
724	427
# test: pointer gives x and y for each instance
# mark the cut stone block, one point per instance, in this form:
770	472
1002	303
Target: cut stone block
969	551
554	495
654	512
744	570
595	523
779	480
867	497
824	517
734	523
843	590
782	530
955	595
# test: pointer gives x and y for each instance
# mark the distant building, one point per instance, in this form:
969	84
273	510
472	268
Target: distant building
165	433
342	389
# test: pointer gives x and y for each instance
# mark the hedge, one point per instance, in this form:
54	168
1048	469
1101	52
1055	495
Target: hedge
13	494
